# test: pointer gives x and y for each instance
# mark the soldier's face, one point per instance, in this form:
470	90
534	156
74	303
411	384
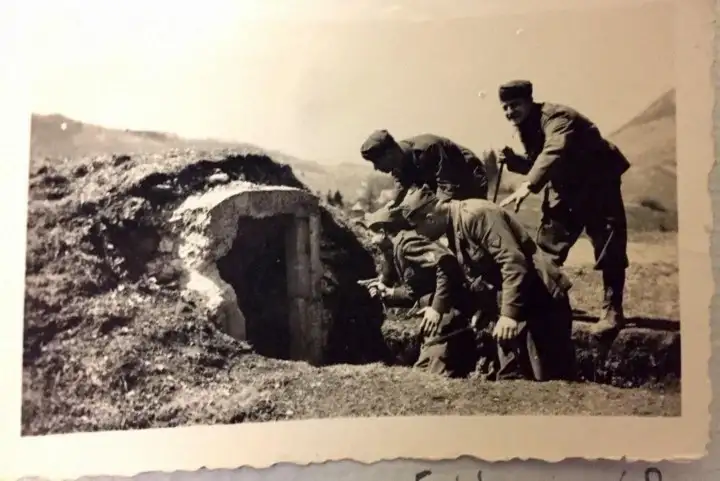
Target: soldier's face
380	239
389	161
517	110
430	224
382	164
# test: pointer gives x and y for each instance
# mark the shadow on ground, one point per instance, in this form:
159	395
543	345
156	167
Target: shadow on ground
640	322
637	356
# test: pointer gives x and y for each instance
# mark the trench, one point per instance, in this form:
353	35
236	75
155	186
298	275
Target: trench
637	357
256	268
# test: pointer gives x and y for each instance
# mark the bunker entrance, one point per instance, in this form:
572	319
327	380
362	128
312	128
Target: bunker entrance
257	268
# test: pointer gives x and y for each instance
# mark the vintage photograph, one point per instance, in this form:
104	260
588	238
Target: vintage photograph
288	216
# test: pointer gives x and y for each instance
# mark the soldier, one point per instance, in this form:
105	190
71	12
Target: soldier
420	272
534	327
441	164
582	171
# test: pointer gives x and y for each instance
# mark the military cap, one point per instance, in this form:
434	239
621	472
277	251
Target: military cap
384	216
377	143
515	89
415	200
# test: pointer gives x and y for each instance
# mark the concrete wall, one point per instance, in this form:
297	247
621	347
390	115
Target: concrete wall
206	226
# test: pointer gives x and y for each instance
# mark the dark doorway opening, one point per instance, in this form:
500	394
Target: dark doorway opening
256	268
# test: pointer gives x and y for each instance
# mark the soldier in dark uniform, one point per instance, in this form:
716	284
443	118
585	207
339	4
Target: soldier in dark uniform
451	170
420	272
534	326
581	171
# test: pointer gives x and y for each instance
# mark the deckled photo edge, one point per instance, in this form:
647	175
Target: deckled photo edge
368	440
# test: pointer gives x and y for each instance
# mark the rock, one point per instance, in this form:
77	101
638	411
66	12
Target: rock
219	178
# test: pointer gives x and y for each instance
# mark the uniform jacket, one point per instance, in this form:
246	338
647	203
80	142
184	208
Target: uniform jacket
419	267
566	150
451	170
490	243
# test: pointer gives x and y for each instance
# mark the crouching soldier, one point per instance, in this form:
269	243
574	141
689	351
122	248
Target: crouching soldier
446	167
533	330
420	272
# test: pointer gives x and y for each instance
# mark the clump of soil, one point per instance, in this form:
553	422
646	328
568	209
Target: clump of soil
109	342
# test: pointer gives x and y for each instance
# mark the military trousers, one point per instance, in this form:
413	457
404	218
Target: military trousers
452	352
543	350
598	209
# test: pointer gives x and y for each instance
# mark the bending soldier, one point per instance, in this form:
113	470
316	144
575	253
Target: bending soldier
444	166
418	271
582	172
535	322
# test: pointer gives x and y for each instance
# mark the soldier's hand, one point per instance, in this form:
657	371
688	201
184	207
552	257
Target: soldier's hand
505	154
506	329
384	290
475	320
517	197
431	322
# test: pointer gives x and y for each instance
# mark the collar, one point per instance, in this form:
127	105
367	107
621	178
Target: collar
533	118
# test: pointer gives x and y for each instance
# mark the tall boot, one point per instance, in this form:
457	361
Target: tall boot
613	316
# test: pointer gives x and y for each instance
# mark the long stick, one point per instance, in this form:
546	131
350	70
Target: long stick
497	182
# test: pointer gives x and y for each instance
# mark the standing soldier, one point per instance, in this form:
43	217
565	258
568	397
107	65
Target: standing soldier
582	171
444	166
534	327
420	272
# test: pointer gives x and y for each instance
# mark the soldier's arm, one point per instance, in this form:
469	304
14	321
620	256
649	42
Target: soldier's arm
497	237
388	273
448	280
558	136
400	296
479	171
423	253
399	191
518	163
448	169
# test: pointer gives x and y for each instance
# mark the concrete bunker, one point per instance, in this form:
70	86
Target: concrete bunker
252	253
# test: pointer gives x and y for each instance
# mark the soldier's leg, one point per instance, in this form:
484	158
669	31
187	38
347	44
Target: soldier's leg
454	356
552	331
519	358
607	229
558	231
433	359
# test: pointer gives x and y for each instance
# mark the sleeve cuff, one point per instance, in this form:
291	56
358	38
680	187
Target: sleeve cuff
441	305
534	186
511	311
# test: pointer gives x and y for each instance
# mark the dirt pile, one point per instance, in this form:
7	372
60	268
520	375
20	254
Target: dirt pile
109	341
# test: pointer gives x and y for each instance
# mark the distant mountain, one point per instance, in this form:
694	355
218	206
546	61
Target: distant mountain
60	136
649	140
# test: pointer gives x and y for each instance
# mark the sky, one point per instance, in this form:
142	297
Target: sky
314	82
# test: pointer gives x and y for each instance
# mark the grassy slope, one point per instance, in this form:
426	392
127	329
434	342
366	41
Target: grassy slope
649	141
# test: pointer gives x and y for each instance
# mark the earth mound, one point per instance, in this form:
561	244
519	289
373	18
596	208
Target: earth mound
110	342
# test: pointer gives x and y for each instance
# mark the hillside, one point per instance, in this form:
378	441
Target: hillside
57	136
648	140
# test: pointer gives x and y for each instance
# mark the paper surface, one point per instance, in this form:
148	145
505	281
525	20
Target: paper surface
369	440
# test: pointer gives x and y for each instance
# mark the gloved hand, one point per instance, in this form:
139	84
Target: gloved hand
513	161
